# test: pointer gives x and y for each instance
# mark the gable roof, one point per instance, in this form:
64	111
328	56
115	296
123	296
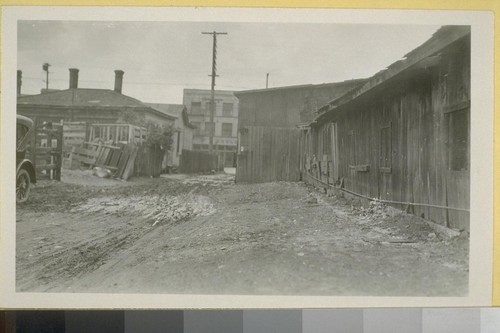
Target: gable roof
173	110
82	97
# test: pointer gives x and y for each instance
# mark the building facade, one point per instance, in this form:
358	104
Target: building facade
197	102
404	136
182	138
288	106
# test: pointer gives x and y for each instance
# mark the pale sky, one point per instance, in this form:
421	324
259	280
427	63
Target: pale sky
160	59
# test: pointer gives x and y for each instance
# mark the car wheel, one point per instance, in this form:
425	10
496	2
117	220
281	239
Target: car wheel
23	186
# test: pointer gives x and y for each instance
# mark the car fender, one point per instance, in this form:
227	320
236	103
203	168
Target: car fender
28	166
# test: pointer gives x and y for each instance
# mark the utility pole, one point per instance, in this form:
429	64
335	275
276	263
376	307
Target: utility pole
267	80
45	67
212	92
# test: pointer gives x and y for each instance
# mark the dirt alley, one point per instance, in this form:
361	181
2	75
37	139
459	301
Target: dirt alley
206	235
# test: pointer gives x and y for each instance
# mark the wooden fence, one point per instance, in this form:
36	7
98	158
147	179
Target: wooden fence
149	161
74	134
198	161
45	149
268	154
122	160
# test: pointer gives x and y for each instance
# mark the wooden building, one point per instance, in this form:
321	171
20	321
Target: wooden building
403	136
267	128
287	106
182	138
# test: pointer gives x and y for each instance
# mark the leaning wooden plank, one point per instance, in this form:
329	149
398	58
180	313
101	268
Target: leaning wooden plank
106	167
103	156
85	152
115	157
129	168
123	161
84	160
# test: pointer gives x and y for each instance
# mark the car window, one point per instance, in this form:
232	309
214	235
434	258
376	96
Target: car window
21	131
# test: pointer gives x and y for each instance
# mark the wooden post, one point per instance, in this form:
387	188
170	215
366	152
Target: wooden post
59	154
33	143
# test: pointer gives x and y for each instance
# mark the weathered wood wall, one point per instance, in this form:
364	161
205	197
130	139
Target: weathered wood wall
268	154
45	149
148	161
287	106
397	141
198	161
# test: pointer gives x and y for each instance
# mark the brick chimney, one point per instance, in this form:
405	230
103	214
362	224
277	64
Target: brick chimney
73	78
118	80
19	82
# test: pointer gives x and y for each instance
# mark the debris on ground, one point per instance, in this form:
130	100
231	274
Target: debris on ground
213	236
159	208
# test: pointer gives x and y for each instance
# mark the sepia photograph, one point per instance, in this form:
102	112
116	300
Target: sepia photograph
222	156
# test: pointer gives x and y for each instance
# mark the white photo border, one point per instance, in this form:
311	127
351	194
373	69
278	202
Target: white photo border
481	178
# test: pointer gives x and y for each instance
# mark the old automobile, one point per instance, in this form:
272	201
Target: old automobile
25	170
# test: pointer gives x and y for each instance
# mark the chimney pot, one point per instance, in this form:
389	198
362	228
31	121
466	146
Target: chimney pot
119	80
19	82
73	78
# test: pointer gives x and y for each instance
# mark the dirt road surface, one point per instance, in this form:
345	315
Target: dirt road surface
207	235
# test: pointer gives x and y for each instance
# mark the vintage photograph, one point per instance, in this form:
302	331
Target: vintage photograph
234	157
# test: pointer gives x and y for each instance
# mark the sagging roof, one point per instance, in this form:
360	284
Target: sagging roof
425	53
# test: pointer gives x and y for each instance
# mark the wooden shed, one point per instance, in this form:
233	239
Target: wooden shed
404	136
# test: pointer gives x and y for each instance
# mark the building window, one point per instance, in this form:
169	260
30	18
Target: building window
208	128
206	109
227	130
385	149
196	107
197	124
458	139
227	109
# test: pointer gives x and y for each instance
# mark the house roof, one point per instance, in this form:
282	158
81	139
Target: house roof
302	86
173	110
423	55
82	97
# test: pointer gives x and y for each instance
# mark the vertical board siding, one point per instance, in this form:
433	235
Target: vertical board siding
149	161
416	105
198	161
270	154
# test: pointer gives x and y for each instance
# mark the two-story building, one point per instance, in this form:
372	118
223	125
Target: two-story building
197	102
